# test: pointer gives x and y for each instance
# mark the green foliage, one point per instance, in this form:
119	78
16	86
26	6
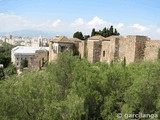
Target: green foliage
74	89
93	33
124	62
10	70
86	37
105	32
2	75
5	54
78	35
158	54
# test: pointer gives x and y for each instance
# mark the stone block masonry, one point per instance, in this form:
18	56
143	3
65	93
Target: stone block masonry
151	50
133	48
116	48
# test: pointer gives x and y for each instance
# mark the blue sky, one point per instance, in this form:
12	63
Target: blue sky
128	16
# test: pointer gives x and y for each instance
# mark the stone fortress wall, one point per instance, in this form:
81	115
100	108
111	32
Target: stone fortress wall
116	48
151	49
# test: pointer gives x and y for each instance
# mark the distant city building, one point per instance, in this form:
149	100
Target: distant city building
25	41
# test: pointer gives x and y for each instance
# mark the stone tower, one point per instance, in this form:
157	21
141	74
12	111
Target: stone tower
94	46
132	48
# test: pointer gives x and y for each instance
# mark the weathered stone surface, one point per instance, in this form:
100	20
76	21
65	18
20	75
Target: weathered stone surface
94	50
82	48
151	50
115	48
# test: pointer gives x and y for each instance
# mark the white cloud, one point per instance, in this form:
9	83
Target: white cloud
78	22
158	30
11	22
119	25
56	23
139	27
96	21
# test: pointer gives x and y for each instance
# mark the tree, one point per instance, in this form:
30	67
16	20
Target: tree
105	32
158	54
93	33
78	35
10	70
124	62
2	75
111	30
86	37
115	32
5	54
74	89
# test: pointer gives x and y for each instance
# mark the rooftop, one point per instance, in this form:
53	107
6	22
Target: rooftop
97	37
61	39
75	40
27	50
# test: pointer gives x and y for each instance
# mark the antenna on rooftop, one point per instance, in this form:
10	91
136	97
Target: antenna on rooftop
57	35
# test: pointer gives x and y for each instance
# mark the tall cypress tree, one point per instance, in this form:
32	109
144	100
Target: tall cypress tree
104	32
111	30
93	32
115	32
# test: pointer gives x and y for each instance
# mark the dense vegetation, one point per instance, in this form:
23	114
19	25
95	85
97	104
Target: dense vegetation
74	89
5	54
5	59
78	35
105	32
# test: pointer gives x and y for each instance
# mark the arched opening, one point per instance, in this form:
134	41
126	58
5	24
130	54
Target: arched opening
24	63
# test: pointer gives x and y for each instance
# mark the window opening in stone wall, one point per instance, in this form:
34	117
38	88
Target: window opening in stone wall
43	62
63	48
104	53
24	63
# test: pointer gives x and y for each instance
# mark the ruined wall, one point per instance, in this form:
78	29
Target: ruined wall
94	50
127	49
106	52
41	57
116	46
82	48
52	53
132	48
20	57
151	50
140	47
110	50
